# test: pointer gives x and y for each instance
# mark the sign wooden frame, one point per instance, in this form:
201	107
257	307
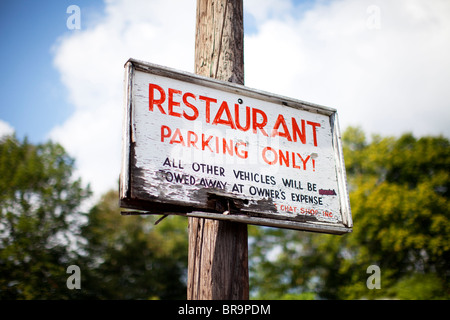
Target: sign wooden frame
200	147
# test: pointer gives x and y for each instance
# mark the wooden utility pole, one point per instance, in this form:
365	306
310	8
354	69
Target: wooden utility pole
218	250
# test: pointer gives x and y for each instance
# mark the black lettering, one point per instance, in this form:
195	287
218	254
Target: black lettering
306	199
267	193
166	162
272	180
208	169
290	183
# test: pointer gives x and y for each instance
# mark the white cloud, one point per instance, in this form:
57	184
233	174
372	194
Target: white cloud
91	66
389	78
5	128
262	10
383	64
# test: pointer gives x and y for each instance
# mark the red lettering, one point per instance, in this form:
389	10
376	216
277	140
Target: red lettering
205	143
275	132
173	103
293	162
241	154
314	125
275	156
284	158
227	147
247	118
296	131
217	145
257	124
190	105
177	134
218	118
167	134
207	106
151	98
190	141
304	161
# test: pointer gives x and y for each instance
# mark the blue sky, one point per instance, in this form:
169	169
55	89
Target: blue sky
32	98
382	64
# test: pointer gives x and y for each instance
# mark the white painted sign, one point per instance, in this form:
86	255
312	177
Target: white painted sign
201	147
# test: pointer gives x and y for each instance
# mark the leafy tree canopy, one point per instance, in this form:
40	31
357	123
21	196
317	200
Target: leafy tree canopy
399	195
128	257
43	232
39	218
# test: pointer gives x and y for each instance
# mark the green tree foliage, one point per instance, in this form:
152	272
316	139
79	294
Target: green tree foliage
39	214
399	195
43	232
128	257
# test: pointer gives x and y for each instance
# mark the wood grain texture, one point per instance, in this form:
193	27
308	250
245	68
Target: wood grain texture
219	41
218	250
218	260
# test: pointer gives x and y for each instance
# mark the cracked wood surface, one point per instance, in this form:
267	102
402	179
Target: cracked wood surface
218	250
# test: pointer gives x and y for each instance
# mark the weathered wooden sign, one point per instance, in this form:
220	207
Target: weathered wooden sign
206	148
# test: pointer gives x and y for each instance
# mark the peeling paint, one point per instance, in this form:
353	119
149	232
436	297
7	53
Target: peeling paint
197	144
